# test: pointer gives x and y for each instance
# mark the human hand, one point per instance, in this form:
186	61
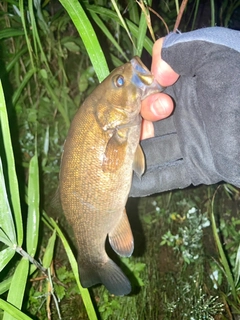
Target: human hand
160	105
199	142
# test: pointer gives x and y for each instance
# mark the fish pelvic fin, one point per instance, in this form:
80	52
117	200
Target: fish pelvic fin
109	274
121	238
139	162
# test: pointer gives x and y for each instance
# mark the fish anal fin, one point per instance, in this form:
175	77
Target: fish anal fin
121	238
109	274
88	276
139	162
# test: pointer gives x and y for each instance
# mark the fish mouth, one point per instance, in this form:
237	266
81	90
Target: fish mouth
144	79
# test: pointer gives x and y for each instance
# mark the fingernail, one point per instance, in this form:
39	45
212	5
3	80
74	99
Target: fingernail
156	107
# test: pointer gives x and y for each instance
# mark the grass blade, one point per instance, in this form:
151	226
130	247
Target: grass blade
133	12
23	84
4	238
122	21
108	34
5	285
116	62
13	183
88	36
36	38
237	267
6	219
48	255
14	60
33	207
13	311
196	10
10	32
222	255
141	34
17	287
84	292
55	99
22	14
212	13
148	44
5	256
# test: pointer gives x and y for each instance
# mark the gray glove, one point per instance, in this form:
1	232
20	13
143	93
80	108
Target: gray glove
200	142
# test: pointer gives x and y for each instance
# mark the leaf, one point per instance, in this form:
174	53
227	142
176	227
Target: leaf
88	35
17	287
43	74
11	310
223	257
141	34
5	256
72	46
60	291
10	32
56	101
84	292
107	13
107	33
4	238
122	20
24	82
237	267
33	207
6	219
15	59
12	177
24	25
85	79
5	285
133	12
48	255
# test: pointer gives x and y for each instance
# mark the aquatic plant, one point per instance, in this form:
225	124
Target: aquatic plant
188	240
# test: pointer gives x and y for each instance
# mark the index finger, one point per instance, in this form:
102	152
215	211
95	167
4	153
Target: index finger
162	71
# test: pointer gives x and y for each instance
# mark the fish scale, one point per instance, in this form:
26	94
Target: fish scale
100	153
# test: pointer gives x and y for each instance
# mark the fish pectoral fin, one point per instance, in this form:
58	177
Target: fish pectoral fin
121	238
139	162
114	154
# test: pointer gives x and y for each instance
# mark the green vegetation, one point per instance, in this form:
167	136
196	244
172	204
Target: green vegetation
52	56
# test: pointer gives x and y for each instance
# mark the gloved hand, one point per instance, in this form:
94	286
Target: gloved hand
200	142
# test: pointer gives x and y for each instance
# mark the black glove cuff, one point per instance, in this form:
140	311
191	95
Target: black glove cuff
165	169
169	177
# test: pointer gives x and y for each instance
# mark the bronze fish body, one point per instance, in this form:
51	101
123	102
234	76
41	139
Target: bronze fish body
100	153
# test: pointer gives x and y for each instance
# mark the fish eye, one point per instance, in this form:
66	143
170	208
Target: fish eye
118	81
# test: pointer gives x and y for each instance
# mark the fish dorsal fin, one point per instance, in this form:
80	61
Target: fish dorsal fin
139	162
121	238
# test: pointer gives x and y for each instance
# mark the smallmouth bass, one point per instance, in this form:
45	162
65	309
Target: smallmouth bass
100	153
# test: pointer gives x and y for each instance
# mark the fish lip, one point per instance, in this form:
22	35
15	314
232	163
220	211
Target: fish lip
138	66
155	87
140	71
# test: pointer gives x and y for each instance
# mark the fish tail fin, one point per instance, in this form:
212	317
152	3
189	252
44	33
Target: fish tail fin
109	274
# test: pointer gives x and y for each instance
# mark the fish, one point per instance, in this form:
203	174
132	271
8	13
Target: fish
100	153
